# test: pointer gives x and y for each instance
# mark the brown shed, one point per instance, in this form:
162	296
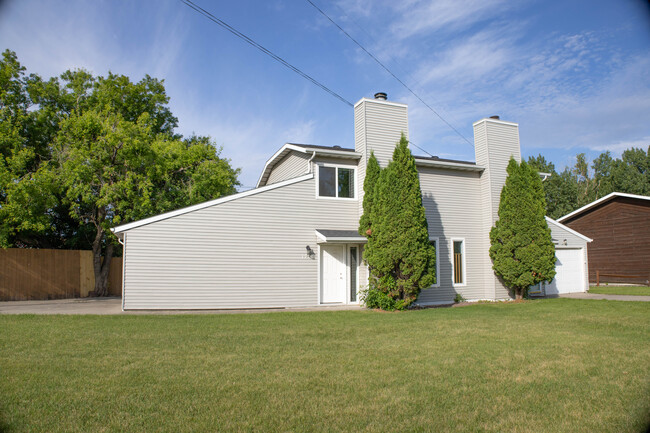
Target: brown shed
619	225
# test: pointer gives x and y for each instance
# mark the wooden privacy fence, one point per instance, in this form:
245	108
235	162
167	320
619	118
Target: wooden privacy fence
614	278
27	274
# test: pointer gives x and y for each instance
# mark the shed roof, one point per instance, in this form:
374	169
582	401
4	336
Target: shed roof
602	200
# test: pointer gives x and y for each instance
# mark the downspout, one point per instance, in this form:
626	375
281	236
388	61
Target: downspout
313	155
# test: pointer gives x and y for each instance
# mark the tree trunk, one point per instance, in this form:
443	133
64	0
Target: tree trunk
519	293
101	267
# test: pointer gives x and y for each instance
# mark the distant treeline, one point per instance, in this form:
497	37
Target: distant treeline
583	183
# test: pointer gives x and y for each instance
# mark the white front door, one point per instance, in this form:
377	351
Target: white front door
334	271
570	271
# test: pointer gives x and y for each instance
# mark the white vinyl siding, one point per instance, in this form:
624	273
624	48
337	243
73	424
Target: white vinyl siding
292	165
495	142
453	208
566	239
245	253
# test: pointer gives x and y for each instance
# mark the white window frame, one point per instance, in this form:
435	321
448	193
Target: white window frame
336	180
437	241
356	283
453	271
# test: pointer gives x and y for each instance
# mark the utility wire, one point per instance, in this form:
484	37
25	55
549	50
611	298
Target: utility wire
389	71
250	41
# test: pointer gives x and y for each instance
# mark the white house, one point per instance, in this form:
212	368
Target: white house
293	240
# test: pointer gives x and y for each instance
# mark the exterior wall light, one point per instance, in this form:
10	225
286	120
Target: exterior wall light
310	252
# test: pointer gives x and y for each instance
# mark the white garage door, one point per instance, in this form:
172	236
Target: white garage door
570	272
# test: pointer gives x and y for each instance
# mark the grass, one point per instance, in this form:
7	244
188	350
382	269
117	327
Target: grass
560	365
621	290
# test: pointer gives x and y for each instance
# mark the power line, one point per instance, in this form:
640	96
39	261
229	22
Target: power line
279	59
269	53
389	71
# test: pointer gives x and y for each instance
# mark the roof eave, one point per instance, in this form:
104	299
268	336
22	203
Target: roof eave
449	165
288	147
601	200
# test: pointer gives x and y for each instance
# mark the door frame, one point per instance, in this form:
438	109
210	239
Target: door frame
347	273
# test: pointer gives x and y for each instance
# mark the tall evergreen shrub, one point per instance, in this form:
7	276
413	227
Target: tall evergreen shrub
400	258
373	170
522	250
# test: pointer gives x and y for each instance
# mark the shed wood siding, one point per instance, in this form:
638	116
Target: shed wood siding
452	202
246	253
620	229
292	165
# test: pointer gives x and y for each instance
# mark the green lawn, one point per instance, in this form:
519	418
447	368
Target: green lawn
557	365
621	290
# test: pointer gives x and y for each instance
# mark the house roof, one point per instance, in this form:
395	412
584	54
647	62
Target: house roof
307	149
125	227
341	236
434	161
563	227
602	200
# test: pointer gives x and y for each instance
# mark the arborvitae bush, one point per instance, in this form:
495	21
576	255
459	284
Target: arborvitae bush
373	170
522	250
400	258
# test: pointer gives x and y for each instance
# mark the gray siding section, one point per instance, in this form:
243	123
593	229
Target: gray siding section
245	253
378	127
360	147
560	235
292	165
453	208
494	143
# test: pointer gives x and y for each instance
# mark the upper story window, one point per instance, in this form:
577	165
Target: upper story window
336	182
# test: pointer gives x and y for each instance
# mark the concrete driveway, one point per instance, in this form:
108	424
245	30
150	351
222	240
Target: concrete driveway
114	306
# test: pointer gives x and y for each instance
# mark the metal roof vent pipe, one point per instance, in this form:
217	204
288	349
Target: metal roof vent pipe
381	96
495	117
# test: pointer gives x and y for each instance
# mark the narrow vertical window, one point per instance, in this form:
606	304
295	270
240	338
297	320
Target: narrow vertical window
459	271
353	274
434	242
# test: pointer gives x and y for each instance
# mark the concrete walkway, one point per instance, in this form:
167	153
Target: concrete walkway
606	297
102	306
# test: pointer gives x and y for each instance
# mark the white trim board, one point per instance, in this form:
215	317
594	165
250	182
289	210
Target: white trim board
124	227
608	197
563	227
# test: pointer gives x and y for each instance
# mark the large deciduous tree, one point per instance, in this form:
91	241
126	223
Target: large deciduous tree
82	154
522	250
399	255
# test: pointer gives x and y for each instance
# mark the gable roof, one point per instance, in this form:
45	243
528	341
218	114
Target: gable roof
605	199
124	227
563	227
339	151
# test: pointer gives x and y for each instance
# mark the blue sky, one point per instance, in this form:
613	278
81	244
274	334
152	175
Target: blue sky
575	75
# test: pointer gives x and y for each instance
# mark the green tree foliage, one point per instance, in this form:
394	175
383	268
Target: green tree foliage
81	154
581	184
373	171
522	250
400	258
